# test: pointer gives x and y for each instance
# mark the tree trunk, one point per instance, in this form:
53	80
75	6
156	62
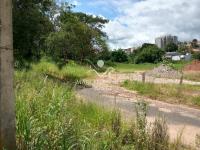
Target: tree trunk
7	104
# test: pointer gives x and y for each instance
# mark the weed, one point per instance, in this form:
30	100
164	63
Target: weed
49	116
173	93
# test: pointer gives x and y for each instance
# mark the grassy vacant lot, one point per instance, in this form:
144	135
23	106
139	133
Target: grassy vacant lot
172	93
49	116
126	68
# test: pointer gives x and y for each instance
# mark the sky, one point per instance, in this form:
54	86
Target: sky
133	22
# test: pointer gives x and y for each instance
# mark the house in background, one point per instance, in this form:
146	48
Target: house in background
176	56
129	50
194	46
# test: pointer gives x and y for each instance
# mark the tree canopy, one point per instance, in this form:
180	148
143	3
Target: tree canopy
31	24
119	56
171	47
148	53
79	37
42	27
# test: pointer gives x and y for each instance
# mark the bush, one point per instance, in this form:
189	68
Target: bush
171	47
119	56
149	54
196	56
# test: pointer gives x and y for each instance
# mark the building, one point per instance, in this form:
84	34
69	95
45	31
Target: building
176	56
129	50
191	48
162	41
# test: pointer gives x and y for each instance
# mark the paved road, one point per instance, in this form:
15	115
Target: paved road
106	92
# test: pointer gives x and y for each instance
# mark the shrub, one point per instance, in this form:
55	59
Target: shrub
196	56
119	56
171	47
149	54
159	135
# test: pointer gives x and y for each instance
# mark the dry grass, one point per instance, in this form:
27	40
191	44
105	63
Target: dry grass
172	93
193	76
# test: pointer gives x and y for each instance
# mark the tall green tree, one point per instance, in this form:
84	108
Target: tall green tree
149	53
182	48
194	43
79	37
31	24
171	47
119	56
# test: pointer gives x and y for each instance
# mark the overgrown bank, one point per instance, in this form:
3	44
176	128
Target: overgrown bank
49	116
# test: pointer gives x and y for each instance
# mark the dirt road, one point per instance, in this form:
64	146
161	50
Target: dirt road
181	119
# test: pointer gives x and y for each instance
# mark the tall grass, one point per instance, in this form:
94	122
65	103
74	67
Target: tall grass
50	117
71	71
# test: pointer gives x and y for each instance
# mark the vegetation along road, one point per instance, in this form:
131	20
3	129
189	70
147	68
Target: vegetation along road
181	119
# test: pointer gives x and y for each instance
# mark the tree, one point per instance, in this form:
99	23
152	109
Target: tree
104	55
7	104
79	37
196	56
171	47
119	56
31	24
182	48
149	54
194	43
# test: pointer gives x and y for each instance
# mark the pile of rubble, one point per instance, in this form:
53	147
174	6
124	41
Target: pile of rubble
164	71
194	66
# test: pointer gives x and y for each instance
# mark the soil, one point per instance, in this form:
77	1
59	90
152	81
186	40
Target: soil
194	66
181	119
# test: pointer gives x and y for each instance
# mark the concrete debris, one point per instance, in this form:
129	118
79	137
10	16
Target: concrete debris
164	71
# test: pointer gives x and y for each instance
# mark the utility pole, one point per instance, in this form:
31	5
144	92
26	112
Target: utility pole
7	103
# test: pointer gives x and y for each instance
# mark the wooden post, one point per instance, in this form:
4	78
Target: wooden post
7	104
115	100
181	79
143	77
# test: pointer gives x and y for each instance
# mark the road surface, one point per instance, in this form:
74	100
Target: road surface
181	119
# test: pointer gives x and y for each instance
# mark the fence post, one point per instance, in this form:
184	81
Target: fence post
143	77
181	79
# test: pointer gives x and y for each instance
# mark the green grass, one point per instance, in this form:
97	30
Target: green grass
127	68
71	71
180	65
50	116
172	93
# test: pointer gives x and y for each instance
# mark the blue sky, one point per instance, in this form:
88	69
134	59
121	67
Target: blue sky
133	22
91	7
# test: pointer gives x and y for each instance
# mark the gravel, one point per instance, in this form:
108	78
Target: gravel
164	71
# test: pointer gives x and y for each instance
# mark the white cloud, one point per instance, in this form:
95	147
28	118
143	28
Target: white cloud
75	2
142	21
